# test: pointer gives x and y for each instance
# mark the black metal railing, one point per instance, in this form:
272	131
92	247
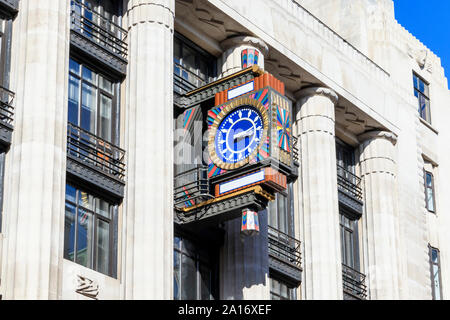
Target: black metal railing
98	28
6	105
191	187
284	247
349	183
354	284
184	80
295	152
95	151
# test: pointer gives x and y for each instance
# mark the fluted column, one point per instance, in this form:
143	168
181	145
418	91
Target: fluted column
35	170
245	265
320	216
231	60
149	144
378	173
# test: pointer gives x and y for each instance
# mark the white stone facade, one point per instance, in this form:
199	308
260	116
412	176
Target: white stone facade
350	81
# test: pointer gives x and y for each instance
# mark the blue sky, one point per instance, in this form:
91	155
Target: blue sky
428	21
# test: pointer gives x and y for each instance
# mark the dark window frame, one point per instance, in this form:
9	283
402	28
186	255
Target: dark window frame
114	96
433	191
430	250
204	255
422	95
113	230
207	58
292	292
274	209
355	247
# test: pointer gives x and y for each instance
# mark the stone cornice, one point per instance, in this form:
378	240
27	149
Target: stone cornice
241	40
313	91
378	134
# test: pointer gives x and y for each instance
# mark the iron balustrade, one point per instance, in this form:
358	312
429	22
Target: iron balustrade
95	151
191	188
295	153
185	80
99	29
284	247
349	183
354	283
6	105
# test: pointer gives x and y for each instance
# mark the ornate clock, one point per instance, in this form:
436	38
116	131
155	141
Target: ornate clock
237	132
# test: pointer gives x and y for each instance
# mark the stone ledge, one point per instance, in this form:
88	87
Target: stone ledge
83	171
102	55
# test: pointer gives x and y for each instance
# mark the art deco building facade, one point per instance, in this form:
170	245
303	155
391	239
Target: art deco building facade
212	149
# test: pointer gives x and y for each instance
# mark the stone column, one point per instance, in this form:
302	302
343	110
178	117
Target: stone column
148	207
378	173
315	120
36	163
244	261
231	60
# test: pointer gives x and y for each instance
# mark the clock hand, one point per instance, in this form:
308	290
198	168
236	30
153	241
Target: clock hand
243	134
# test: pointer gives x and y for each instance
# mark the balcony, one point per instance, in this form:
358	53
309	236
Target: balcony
191	188
95	160
6	115
295	153
349	187
11	6
285	256
353	283
185	80
99	37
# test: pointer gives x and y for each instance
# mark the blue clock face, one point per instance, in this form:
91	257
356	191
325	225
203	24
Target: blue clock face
239	134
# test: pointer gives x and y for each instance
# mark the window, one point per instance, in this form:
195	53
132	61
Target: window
193	67
93	102
194	271
435	268
5	43
421	92
349	240
90	231
280	290
281	211
429	192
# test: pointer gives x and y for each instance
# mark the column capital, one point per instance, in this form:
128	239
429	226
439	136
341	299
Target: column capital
245	40
317	91
378	134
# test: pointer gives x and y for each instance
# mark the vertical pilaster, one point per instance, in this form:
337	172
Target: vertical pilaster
320	216
378	173
36	162
149	145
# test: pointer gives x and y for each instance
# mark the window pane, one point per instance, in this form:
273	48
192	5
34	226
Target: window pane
88	108
205	283
74	66
103	208
103	247
69	232
105	118
188	278
282	213
71	193
74	91
86	200
430	199
176	275
84	238
106	85
89	75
